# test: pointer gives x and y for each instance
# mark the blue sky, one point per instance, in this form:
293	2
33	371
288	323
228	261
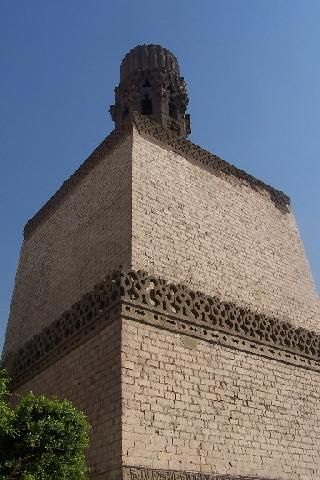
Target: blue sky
253	74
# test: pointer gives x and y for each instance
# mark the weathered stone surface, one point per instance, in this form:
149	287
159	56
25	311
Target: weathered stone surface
216	410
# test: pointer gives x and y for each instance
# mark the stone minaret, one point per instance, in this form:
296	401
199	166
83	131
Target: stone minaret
167	294
150	84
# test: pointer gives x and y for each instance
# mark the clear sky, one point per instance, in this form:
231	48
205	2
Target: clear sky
253	74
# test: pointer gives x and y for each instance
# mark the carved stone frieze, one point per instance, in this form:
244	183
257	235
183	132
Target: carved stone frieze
86	318
149	299
151	129
237	326
189	150
143	473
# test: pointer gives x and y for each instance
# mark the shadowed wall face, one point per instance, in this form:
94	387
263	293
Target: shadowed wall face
89	376
85	236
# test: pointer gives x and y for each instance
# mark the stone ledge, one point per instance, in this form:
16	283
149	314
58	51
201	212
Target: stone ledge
149	299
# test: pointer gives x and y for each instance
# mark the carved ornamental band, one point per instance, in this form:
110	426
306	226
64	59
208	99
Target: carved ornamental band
141	473
151	129
150	299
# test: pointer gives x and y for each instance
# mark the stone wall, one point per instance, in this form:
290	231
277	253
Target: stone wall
86	235
189	405
218	234
89	376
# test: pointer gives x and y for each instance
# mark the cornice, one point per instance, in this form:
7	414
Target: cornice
151	129
145	298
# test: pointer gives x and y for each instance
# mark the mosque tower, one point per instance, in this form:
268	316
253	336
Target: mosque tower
167	294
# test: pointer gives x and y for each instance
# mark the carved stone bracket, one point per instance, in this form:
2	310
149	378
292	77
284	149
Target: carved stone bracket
150	299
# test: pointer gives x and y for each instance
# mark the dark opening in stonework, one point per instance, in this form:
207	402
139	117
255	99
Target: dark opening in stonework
173	110
125	112
146	83
146	106
174	128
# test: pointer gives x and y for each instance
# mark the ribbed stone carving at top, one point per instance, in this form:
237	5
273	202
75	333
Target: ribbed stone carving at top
150	84
148	57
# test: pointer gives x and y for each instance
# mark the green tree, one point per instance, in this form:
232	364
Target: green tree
41	438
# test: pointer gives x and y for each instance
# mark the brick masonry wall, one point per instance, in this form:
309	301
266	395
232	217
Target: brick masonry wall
87	235
189	225
186	404
218	235
89	376
191	405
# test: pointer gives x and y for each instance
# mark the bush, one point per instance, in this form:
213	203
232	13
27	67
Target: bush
41	439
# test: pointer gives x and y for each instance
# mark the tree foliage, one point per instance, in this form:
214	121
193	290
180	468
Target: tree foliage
41	438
